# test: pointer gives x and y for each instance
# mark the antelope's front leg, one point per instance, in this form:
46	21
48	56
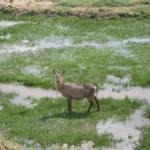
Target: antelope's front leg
69	100
91	103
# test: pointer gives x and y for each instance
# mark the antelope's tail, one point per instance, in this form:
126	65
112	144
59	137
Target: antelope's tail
95	92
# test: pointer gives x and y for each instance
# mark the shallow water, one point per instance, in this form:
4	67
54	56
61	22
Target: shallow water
7	36
33	70
137	93
58	42
55	42
28	91
7	23
1	107
19	100
128	131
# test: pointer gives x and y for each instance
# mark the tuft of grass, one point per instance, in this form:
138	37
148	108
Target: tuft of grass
144	143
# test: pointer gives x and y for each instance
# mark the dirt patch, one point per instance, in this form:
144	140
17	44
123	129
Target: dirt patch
7	145
27	5
52	8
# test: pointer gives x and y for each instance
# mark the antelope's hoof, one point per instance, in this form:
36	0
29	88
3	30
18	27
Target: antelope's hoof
69	111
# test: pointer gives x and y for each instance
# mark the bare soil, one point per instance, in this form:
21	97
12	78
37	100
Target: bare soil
48	7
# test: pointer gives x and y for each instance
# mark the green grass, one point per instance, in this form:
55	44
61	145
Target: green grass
80	64
144	140
99	2
48	122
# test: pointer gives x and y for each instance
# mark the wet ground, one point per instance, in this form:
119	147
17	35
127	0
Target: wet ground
114	87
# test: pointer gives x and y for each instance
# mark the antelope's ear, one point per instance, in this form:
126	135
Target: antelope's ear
54	71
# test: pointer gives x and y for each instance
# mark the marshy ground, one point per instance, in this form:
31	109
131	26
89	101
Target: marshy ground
113	54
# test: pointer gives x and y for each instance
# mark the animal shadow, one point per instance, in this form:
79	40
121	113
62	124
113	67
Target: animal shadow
66	115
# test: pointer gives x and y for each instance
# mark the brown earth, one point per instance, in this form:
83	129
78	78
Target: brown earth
19	7
7	145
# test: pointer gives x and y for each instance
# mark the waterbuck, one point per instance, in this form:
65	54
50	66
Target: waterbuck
76	91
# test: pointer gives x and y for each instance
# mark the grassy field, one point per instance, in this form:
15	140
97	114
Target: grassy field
88	50
88	54
100	2
48	122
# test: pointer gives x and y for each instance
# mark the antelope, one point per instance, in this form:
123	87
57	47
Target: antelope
76	91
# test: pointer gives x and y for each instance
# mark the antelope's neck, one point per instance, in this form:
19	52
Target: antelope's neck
60	86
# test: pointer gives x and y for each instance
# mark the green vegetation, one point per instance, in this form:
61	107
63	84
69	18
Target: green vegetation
49	123
100	2
81	63
144	141
97	48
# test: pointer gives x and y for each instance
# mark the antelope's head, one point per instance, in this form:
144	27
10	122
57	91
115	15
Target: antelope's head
59	78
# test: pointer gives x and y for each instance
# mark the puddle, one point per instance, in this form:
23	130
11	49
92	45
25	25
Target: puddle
83	146
6	23
8	49
62	27
114	83
7	37
138	40
117	80
19	100
1	107
128	132
46	43
91	44
33	70
119	46
23	91
138	93
55	42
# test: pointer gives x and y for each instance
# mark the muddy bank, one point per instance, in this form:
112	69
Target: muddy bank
51	8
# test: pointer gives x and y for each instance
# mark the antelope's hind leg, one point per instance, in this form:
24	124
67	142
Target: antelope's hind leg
97	103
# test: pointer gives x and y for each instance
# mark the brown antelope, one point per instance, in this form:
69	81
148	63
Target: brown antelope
76	91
